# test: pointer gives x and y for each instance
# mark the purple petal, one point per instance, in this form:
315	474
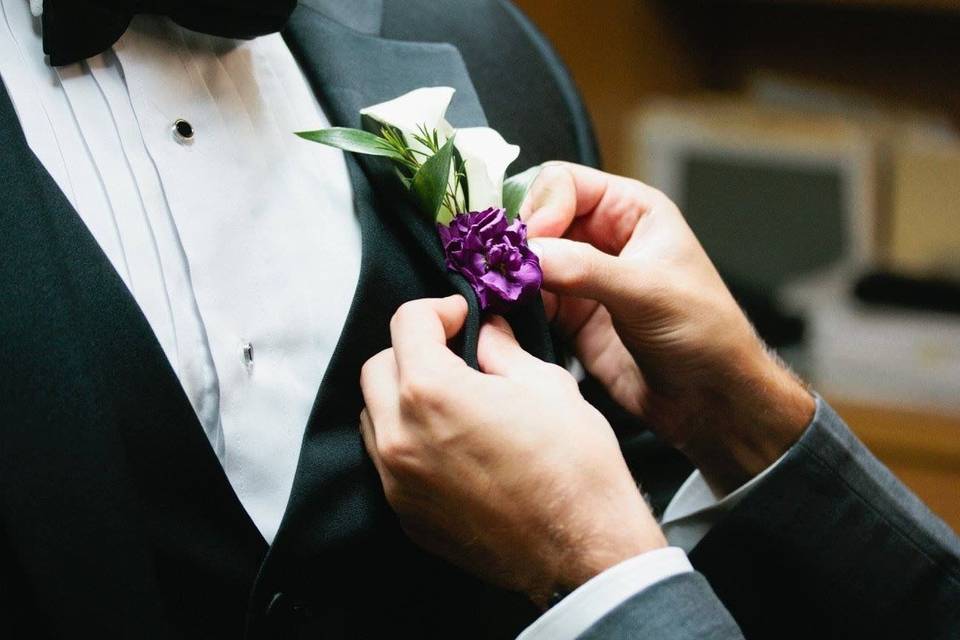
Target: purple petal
492	254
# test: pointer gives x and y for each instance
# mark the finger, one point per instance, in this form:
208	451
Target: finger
550	206
369	433
379	383
499	353
571	313
578	269
607	208
420	330
368	430
603	354
551	305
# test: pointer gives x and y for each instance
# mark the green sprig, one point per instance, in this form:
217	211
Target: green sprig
448	194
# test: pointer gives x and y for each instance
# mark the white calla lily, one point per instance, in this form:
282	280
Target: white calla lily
420	109
486	156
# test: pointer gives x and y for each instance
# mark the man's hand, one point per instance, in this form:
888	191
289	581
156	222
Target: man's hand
507	472
651	319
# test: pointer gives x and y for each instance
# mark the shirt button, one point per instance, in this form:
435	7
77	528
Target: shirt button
183	131
246	354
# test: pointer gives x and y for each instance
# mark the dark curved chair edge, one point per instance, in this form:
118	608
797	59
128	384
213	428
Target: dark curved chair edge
588	149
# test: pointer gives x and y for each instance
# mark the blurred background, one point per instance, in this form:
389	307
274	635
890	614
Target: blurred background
814	147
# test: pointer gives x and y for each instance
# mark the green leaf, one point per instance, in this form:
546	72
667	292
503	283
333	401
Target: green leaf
353	140
404	180
444	216
460	167
515	190
430	182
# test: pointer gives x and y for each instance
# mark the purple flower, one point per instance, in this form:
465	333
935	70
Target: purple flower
493	255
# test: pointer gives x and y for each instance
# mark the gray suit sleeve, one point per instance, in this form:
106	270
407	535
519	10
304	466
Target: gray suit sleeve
831	544
683	607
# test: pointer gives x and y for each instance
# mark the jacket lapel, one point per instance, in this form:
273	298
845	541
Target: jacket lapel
337	523
402	258
350	70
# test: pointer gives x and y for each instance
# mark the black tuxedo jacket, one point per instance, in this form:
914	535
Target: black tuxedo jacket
116	519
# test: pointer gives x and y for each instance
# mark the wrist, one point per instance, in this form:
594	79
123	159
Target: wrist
596	553
757	417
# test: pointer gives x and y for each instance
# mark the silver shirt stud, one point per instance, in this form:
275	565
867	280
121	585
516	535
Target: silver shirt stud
183	132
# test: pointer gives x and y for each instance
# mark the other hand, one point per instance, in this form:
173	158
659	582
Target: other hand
506	471
649	316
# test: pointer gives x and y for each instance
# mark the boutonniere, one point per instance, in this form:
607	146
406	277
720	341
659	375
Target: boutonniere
457	178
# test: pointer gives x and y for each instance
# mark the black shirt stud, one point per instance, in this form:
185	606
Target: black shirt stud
183	131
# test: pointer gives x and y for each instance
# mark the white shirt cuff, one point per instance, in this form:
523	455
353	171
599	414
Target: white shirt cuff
602	594
696	507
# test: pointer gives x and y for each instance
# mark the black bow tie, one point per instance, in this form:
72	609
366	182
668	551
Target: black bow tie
74	30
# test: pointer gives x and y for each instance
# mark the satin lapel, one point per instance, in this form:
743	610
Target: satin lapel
96	390
350	70
402	256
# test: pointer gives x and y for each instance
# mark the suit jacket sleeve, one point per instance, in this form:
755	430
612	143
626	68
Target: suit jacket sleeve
831	544
683	607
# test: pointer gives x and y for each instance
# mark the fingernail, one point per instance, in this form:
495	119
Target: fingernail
528	210
537	248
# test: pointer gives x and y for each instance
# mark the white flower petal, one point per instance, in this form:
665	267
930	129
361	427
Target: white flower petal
421	108
486	156
446	130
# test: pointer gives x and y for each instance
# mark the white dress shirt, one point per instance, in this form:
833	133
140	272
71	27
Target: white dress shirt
240	246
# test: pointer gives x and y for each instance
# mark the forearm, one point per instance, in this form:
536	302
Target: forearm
748	421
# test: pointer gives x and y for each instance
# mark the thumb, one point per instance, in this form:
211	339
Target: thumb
452	312
581	270
419	331
498	351
550	206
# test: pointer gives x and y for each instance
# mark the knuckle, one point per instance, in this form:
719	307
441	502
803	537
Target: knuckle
420	391
371	366
662	201
365	372
406	311
397	453
656	195
559	375
656	198
647	192
580	268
